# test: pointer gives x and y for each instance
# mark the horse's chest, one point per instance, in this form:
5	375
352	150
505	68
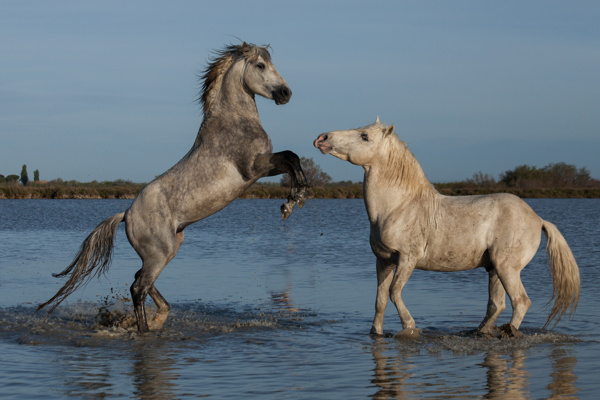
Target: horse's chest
389	239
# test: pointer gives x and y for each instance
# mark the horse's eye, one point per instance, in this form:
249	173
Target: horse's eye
364	137
260	66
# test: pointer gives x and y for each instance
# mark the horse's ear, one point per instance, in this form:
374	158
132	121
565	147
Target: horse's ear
389	130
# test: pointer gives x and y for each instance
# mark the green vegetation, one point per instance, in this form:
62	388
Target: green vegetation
59	189
558	180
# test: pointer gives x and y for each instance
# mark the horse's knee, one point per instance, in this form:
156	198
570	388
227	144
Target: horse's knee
525	303
396	295
521	302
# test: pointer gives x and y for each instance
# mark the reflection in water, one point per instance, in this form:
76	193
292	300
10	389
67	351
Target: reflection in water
282	301
399	374
154	373
507	377
392	372
88	376
150	371
563	378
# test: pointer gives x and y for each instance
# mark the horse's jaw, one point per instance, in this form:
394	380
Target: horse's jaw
341	156
326	148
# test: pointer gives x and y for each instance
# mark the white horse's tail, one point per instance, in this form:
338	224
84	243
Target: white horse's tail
94	256
565	274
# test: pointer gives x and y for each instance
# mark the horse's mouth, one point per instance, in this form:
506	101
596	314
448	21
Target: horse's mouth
282	95
324	147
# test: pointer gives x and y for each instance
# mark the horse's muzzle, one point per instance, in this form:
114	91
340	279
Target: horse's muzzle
321	143
282	94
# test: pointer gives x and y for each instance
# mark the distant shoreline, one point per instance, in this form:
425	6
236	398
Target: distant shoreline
109	190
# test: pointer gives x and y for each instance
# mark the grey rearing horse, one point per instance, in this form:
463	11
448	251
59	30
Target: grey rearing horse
231	152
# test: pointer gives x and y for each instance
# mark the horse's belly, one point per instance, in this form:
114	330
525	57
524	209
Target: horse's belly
461	259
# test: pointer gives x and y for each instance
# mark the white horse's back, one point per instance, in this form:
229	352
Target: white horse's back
468	230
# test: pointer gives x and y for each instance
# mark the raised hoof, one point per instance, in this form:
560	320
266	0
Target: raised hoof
507	330
286	210
408	333
301	198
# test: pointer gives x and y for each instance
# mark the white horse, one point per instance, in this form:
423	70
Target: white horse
413	226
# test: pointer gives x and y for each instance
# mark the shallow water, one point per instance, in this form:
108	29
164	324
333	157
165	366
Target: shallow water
270	309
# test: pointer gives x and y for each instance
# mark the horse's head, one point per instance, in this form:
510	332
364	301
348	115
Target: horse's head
247	64
358	146
260	76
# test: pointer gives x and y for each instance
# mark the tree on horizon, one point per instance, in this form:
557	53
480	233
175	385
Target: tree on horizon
24	178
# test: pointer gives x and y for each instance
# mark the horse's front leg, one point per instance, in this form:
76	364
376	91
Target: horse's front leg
406	265
385	274
285	162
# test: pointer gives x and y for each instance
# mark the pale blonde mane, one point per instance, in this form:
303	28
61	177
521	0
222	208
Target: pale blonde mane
401	168
212	77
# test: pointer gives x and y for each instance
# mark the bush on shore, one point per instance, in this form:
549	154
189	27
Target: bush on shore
261	190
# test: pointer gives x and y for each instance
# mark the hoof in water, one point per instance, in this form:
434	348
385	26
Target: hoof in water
408	333
157	321
376	334
507	330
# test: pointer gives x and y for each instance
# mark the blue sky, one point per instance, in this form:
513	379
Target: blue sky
105	90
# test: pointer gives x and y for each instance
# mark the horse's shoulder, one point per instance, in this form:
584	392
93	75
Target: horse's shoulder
401	230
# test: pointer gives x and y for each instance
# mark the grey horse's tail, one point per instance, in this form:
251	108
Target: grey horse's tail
92	260
565	274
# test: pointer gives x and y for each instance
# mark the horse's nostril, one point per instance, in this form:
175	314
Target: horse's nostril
282	94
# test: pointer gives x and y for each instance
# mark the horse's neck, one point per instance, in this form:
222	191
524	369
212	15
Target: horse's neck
383	195
231	109
380	197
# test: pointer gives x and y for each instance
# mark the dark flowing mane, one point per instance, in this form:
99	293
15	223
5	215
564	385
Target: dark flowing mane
222	60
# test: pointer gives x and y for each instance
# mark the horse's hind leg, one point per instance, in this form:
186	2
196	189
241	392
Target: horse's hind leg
511	280
155	257
141	287
496	302
162	311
